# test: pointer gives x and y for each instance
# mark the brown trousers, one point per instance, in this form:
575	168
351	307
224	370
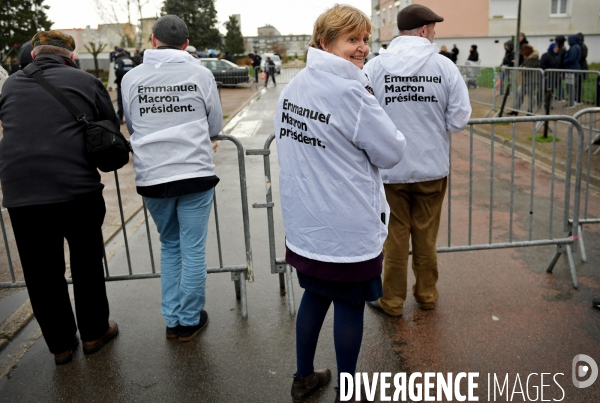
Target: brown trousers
416	209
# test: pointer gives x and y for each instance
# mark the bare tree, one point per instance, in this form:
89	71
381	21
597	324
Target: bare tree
110	11
95	50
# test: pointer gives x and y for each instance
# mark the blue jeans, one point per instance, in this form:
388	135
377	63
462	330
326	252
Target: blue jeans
182	223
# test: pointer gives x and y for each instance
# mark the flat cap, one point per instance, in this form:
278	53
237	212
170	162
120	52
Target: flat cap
170	30
415	16
53	38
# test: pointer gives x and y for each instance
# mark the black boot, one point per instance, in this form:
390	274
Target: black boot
305	386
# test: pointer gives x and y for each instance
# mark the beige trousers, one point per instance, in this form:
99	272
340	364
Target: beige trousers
416	209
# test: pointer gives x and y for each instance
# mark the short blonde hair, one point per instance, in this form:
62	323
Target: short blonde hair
338	20
53	50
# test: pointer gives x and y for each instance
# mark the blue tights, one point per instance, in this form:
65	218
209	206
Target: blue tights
347	332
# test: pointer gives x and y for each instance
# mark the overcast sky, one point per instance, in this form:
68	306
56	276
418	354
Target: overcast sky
288	16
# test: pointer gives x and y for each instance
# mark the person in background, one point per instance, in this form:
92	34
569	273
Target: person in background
270	70
557	77
174	170
550	60
332	198
522	42
507	61
473	54
444	52
583	66
256	59
192	51
24	55
123	64
415	188
137	57
382	48
53	192
455	53
571	62
530	82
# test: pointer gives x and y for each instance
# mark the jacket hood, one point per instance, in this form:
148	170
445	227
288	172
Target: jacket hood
328	62
573	40
157	56
510	45
407	54
552	45
560	39
474	47
534	55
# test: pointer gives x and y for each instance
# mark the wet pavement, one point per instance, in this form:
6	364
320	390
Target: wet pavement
499	312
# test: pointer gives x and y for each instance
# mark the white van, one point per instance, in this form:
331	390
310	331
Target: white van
275	59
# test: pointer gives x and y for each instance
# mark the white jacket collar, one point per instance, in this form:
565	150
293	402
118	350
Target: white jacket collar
157	56
329	63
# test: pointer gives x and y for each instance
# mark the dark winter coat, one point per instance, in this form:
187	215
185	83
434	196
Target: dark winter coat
584	52
43	158
509	55
573	55
550	59
473	54
560	40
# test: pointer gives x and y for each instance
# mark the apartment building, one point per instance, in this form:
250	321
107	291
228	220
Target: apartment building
490	23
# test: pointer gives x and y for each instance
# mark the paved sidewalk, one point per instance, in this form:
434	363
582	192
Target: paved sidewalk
498	313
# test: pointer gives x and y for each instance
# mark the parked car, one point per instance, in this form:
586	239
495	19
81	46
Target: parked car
276	59
225	72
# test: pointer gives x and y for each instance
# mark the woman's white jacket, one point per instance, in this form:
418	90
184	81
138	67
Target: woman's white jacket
332	137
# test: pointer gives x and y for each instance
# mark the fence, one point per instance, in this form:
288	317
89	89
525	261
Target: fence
590	121
572	90
239	273
526	203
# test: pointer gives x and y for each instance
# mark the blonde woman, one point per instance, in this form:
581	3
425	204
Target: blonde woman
332	137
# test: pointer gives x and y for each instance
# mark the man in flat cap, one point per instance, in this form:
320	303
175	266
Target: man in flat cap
53	192
172	109
426	97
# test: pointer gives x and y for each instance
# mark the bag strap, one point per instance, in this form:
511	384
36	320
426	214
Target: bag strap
33	71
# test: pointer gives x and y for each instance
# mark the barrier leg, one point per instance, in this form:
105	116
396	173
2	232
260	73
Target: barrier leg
243	295
290	292
282	283
236	283
572	266
559	251
581	245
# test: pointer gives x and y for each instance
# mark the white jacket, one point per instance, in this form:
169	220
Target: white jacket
426	97
332	136
172	108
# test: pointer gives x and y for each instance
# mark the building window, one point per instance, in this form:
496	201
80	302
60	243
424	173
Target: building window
559	7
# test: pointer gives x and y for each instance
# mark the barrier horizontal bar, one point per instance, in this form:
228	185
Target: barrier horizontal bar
507	245
141	276
258	152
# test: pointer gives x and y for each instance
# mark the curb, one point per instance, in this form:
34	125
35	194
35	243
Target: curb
238	110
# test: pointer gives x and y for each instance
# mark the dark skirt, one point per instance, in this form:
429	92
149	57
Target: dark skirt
349	292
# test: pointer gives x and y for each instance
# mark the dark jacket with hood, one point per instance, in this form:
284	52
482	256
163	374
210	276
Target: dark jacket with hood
573	55
43	158
473	54
560	40
584	52
550	59
509	54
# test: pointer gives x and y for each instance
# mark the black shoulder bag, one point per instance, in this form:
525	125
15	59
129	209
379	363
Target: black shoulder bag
107	148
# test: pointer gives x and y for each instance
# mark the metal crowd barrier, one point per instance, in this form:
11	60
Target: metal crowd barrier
239	273
590	121
570	90
563	243
278	265
536	234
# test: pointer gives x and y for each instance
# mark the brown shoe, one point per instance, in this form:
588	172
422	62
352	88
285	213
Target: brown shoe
305	386
67	356
90	347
